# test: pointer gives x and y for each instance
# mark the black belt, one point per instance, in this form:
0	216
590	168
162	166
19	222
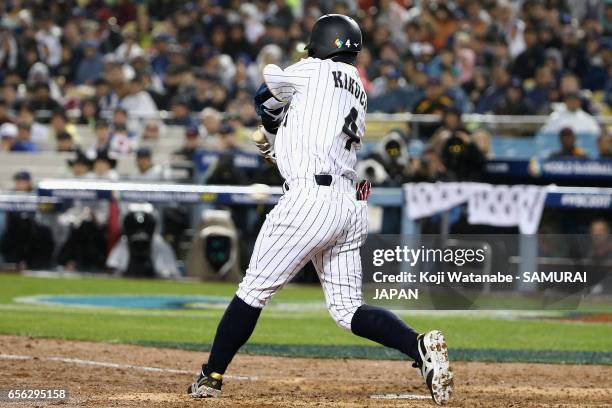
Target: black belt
320	179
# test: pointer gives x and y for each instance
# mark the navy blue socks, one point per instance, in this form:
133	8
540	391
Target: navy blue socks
234	330
383	327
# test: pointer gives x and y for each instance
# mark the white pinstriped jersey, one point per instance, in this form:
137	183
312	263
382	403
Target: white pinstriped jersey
325	122
327	225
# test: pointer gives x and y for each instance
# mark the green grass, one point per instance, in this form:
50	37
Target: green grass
194	327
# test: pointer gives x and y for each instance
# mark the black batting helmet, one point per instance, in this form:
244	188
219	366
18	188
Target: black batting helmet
334	34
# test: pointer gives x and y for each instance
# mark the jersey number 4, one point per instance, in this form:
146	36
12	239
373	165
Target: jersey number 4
350	128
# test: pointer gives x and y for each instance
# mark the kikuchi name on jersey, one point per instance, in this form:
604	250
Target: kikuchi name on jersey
343	81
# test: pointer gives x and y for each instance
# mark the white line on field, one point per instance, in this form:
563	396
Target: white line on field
115	365
400	396
108	311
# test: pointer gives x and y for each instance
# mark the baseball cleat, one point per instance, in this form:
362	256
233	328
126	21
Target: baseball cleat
206	386
434	366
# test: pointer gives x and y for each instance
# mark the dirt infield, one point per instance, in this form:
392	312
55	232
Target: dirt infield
113	375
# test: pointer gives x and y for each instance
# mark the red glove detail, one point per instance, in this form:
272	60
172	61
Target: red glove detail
364	188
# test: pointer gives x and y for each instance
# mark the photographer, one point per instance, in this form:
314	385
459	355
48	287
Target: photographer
462	158
428	168
392	154
26	241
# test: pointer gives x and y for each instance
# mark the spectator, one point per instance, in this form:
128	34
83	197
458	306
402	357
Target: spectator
451	120
89	112
115	75
200	98
106	97
601	244
160	60
23	182
573	51
219	96
445	24
227	140
122	122
180	113
9	53
42	100
599	252
39	73
211	121
104	166
39	132
435	102
476	86
129	49
150	131
539	96
121	141
604	145
607	19
147	170
496	92
396	97
67	68
23	141
91	66
526	63
190	145
102	140
80	165
241	110
59	124
224	170
48	40
571	115
8	134
138	103
5	116
570	83
513	102
599	54
451	88
64	142
567	139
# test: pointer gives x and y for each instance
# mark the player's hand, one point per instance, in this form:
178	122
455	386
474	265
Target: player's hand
264	145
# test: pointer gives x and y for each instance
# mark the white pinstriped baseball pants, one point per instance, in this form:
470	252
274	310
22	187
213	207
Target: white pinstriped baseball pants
310	222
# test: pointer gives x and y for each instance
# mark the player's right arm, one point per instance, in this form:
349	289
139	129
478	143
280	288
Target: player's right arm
271	111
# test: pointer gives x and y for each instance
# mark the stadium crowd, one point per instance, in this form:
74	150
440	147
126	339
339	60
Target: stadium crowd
115	65
498	56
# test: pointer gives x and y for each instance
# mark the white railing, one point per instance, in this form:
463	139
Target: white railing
489	119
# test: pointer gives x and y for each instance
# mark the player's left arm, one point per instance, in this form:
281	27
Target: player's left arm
284	83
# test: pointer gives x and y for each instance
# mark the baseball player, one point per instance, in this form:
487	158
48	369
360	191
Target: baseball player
313	121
